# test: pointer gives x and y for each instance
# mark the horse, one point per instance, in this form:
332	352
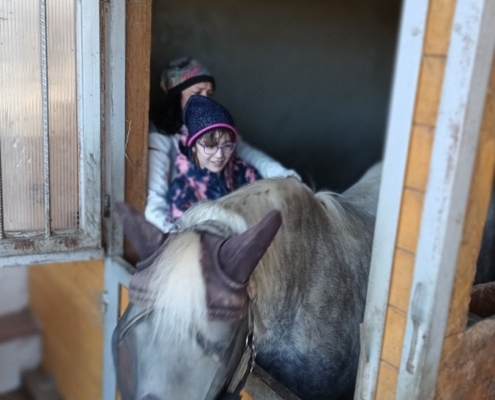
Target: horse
272	273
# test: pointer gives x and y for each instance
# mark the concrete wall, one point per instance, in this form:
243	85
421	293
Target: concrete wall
306	81
20	342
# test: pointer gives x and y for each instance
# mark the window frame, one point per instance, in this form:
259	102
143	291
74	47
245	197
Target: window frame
86	242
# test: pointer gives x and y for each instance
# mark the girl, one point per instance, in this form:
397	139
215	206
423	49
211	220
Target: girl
208	167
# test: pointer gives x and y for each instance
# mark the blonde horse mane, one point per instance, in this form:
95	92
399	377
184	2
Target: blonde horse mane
178	287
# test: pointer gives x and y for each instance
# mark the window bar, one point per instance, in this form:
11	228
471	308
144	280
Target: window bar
45	112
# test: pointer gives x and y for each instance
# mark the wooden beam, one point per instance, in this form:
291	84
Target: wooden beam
400	287
438	28
418	163
138	50
477	208
410	220
429	90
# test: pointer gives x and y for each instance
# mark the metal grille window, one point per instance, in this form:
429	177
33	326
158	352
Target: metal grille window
50	168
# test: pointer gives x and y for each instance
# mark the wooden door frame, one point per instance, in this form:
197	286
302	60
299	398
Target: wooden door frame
127	27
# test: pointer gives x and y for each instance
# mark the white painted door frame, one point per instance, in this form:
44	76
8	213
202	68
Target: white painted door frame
400	120
117	270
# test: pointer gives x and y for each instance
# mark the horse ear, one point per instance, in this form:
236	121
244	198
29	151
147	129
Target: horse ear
240	254
145	237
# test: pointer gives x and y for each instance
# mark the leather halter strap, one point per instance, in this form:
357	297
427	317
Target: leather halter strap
244	367
246	363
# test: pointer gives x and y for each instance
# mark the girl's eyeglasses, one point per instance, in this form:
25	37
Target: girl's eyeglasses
227	148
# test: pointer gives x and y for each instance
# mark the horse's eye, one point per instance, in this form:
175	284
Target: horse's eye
216	350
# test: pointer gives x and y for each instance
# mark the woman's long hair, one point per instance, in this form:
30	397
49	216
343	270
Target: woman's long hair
167	114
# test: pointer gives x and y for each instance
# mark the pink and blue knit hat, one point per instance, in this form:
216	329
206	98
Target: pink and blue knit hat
183	73
202	115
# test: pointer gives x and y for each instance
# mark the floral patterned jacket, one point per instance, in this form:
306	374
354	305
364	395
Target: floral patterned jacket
193	183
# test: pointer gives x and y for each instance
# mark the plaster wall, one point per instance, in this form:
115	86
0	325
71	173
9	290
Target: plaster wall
306	81
13	290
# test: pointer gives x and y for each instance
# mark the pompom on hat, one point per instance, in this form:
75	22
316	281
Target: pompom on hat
202	115
182	73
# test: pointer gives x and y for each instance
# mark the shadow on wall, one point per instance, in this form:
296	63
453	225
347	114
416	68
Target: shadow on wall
485	269
306	81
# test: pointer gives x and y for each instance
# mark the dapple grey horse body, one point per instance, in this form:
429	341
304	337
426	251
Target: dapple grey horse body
296	277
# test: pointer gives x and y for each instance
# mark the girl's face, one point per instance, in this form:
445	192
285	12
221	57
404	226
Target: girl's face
201	88
214	154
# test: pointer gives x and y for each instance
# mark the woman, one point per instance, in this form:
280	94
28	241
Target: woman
180	80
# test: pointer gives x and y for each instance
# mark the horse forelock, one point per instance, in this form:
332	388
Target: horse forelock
179	302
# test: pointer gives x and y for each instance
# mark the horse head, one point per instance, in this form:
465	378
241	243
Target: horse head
186	333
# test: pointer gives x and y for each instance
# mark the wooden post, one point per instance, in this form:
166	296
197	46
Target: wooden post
138	50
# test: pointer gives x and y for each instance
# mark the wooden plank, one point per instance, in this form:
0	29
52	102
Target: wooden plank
429	90
467	371
124	298
81	281
400	287
418	162
387	382
410	218
66	299
395	326
471	241
477	207
488	125
439	26
138	50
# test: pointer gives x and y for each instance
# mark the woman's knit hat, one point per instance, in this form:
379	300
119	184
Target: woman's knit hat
202	115
183	73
